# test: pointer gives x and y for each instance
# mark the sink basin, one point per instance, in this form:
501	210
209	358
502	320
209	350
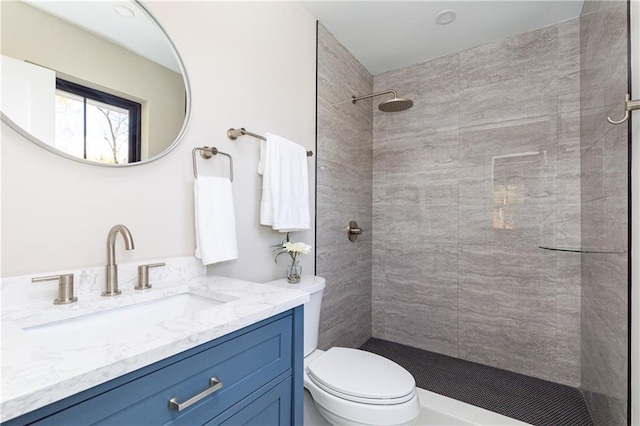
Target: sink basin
117	323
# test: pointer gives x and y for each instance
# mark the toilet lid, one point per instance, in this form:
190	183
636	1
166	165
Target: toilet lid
362	376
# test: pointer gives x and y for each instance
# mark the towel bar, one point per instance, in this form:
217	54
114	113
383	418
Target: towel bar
234	134
206	153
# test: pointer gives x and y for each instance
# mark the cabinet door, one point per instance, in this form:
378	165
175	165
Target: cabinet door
272	408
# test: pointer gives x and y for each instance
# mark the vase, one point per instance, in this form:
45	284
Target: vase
294	271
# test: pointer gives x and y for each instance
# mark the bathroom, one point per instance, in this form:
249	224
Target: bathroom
257	65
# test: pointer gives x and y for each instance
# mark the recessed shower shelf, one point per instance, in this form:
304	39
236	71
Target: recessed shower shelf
581	249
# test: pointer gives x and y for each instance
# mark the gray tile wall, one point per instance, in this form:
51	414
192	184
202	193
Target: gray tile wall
466	184
603	84
344	184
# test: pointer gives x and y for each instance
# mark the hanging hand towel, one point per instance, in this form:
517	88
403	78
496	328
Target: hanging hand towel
215	220
285	185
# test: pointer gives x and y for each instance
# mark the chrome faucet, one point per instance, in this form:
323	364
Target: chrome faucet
112	267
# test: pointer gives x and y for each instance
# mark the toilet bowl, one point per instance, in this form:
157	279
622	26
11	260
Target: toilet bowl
351	386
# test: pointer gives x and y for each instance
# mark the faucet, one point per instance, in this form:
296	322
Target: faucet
112	267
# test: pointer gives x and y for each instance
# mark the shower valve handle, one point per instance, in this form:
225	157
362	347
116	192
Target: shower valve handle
353	230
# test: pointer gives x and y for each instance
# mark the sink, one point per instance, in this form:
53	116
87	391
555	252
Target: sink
117	323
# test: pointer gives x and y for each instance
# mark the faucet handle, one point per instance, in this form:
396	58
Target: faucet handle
65	288
143	275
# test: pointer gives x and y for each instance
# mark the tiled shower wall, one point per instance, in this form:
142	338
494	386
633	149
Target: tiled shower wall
344	162
466	185
603	85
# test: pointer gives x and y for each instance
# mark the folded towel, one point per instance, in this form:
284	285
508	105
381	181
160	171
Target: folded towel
215	220
285	185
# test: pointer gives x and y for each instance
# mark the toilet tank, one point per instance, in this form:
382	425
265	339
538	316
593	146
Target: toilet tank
313	285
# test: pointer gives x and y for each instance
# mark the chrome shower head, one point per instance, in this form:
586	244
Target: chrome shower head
392	105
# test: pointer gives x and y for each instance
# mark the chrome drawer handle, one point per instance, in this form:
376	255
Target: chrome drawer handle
214	385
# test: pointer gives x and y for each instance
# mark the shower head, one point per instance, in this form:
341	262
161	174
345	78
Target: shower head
395	105
392	105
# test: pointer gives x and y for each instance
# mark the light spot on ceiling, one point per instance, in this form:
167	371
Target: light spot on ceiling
446	17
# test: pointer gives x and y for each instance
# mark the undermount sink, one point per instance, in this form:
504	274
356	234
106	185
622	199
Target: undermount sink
115	324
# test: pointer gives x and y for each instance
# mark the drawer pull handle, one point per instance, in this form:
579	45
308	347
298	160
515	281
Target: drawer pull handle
214	385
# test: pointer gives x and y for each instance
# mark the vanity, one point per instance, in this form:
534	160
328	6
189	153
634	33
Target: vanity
232	355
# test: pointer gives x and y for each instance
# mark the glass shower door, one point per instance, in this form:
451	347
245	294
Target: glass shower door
604	200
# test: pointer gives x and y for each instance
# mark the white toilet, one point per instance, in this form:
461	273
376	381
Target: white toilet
351	386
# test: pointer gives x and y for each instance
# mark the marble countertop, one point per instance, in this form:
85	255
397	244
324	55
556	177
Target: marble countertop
33	376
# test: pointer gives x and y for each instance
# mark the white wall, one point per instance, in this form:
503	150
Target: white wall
249	64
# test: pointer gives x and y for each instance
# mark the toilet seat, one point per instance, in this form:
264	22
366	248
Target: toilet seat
354	387
362	377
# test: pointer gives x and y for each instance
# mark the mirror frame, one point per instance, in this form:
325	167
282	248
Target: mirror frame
179	136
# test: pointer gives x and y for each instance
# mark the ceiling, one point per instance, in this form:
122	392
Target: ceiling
387	35
382	35
139	34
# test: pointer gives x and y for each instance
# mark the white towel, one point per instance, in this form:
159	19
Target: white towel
285	185
215	220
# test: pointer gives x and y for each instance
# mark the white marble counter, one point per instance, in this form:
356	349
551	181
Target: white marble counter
33	376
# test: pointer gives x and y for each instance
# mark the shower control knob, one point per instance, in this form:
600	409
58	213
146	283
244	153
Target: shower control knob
353	230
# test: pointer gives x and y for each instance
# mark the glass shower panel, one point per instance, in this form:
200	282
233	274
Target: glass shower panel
604	147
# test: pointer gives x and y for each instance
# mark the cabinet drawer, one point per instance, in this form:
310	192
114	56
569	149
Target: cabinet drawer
243	364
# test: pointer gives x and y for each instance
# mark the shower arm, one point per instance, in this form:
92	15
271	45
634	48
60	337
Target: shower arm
359	98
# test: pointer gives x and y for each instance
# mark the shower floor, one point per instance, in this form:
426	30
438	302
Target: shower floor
514	395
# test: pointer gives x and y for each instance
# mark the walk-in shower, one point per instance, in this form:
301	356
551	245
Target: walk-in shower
392	105
483	215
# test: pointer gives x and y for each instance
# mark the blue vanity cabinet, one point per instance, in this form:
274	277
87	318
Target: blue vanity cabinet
260	368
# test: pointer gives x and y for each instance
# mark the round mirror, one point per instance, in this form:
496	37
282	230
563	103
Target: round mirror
95	82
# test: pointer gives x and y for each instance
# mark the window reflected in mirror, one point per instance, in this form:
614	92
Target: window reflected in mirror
95	125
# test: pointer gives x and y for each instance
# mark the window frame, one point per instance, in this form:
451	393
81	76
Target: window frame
134	108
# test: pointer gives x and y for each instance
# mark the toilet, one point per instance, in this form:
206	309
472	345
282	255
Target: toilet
351	386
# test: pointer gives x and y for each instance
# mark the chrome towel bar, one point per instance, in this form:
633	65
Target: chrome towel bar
234	134
206	153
